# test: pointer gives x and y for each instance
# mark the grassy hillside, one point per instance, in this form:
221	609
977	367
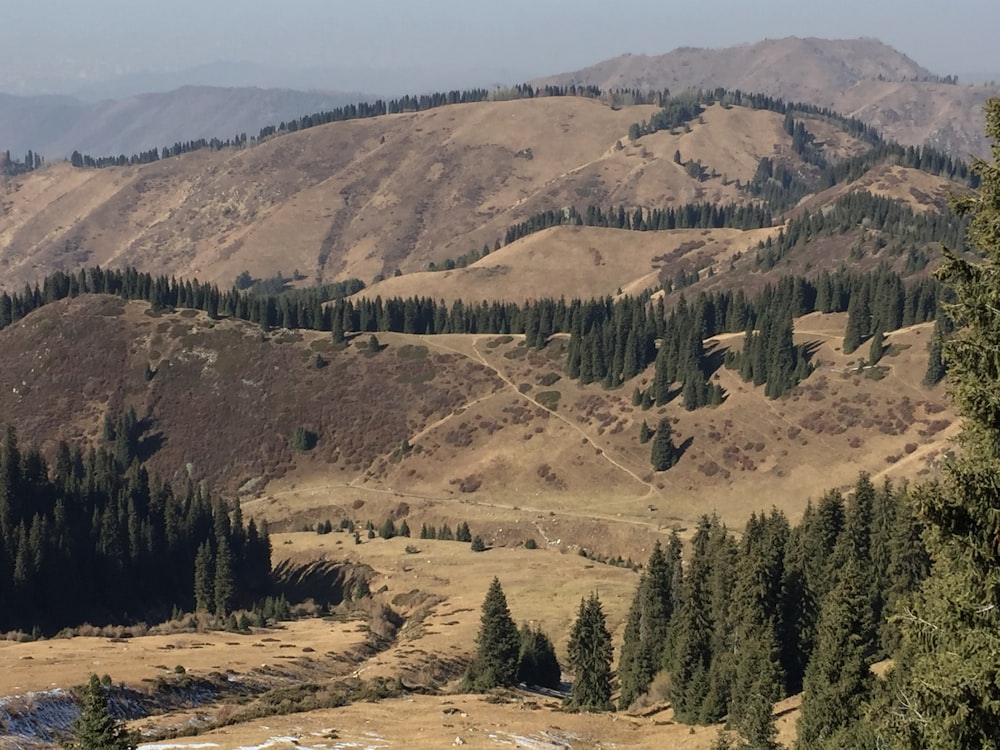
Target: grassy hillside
486	421
368	197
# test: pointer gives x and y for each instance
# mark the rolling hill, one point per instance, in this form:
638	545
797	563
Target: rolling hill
368	198
455	420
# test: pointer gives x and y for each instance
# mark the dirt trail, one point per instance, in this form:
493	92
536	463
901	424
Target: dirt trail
478	355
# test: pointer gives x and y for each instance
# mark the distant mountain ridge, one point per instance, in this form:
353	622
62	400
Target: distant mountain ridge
791	68
864	78
55	126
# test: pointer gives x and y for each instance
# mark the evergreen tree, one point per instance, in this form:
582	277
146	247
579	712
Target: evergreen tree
935	361
663	453
645	648
537	663
838	680
498	644
96	728
223	585
754	616
388	530
877	347
692	629
590	654
946	687
204	578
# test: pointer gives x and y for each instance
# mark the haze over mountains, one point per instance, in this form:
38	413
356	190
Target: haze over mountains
55	126
859	77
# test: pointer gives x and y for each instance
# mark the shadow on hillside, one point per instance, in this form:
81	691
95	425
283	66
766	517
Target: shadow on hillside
810	348
150	444
326	583
714	361
683	447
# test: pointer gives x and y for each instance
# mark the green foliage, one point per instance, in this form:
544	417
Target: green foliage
838	680
498	644
303	439
945	692
462	533
478	545
97	540
645	434
664	453
936	369
877	347
530	543
96	728
388	530
537	663
590	654
646	645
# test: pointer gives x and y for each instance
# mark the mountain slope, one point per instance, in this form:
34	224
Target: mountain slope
859	77
367	197
457	418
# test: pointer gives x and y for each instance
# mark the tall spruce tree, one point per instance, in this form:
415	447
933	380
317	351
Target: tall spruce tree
946	690
498	644
590	654
838	680
645	647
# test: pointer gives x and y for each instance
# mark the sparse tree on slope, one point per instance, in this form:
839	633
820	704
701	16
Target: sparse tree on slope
663	453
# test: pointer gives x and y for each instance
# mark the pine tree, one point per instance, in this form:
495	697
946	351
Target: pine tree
663	453
877	348
645	434
645	646
537	663
388	530
838	680
96	728
948	695
498	644
692	629
204	578
590	654
224	585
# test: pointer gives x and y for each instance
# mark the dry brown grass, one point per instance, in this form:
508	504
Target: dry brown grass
576	262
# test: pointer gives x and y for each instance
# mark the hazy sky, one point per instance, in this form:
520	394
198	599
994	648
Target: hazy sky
50	40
